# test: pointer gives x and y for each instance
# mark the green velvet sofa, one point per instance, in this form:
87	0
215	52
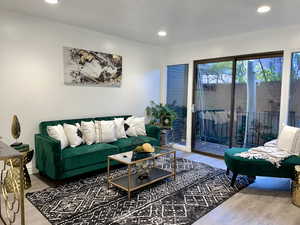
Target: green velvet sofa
258	167
59	164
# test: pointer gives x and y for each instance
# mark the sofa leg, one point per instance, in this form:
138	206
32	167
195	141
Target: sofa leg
233	179
227	172
251	179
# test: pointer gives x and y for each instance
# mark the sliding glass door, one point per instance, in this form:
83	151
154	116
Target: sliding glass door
212	106
236	102
257	101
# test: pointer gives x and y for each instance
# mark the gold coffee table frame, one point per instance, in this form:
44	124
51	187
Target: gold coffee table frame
130	182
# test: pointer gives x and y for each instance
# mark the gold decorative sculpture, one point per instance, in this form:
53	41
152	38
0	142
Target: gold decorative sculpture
16	130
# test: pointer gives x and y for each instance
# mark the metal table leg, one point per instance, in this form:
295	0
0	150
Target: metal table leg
129	182
174	165
22	190
108	172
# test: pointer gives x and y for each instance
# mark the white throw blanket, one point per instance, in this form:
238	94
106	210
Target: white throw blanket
271	154
275	151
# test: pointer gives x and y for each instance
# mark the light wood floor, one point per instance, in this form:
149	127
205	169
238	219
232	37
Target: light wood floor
265	202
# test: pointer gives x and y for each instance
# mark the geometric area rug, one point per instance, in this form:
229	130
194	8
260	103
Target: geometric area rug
198	189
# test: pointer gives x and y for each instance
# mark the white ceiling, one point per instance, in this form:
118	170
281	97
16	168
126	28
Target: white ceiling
184	20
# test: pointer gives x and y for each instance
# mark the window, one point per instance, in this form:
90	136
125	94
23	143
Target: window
177	78
294	106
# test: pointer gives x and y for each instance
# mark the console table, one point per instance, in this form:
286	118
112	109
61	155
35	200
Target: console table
13	203
27	153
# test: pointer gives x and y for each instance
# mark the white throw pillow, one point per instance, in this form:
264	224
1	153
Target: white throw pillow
71	132
120	130
129	120
106	131
58	133
131	131
139	125
88	130
288	139
136	126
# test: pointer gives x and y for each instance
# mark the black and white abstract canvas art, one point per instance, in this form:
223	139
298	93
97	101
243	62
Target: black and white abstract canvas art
90	68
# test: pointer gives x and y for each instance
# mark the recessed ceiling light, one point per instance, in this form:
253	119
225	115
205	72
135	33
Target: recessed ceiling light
263	9
52	1
162	33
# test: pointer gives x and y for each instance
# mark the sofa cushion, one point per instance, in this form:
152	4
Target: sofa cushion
149	140
85	155
259	167
128	144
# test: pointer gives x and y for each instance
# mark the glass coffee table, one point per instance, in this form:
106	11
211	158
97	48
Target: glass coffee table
131	182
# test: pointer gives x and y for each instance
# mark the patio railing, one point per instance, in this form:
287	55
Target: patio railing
213	126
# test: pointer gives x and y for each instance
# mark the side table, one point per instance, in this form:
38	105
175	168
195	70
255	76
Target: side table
11	203
296	187
164	139
27	154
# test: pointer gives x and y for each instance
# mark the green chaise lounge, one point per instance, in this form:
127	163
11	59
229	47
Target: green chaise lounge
59	164
258	167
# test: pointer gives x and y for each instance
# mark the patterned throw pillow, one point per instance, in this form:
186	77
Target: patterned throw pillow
136	126
130	131
120	128
72	132
88	130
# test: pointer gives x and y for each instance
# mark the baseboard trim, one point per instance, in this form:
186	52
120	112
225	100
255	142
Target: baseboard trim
32	170
180	147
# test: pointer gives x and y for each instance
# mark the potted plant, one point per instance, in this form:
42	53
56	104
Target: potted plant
161	115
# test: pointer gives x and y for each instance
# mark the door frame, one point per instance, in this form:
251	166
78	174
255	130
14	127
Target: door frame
234	60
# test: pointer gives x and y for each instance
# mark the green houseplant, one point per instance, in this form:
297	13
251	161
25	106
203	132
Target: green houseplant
160	115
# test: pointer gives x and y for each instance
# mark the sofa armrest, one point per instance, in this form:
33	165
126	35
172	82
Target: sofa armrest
48	155
153	131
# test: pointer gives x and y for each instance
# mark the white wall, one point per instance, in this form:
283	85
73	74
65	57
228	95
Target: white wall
247	43
31	75
286	39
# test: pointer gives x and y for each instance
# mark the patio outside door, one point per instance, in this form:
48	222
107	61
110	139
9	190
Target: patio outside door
212	106
236	102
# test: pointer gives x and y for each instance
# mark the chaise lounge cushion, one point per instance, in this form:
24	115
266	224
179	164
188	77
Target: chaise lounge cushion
259	167
84	155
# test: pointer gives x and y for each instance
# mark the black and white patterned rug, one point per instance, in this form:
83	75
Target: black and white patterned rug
198	188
